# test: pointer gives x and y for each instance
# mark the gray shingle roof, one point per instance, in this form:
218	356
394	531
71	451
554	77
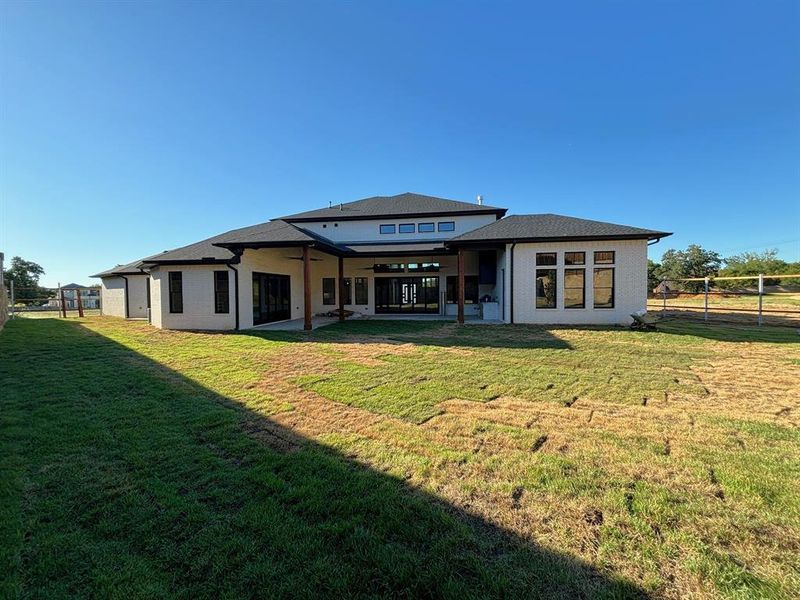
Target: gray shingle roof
552	227
209	250
398	206
215	248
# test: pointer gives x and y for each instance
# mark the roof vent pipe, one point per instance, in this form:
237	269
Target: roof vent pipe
330	203
480	200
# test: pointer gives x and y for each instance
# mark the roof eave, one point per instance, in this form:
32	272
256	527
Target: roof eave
344	217
328	248
189	261
655	235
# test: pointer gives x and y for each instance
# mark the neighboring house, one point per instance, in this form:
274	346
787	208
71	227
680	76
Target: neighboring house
90	297
406	254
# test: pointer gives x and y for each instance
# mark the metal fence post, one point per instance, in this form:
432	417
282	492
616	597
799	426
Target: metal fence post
705	303
760	296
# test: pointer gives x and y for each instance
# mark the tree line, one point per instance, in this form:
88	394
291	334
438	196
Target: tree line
696	261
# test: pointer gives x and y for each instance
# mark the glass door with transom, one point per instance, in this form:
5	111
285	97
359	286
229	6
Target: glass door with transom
407	295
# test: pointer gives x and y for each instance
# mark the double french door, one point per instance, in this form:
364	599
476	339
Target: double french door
407	295
270	298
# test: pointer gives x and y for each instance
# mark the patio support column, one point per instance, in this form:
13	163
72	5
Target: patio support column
341	288
306	288
461	286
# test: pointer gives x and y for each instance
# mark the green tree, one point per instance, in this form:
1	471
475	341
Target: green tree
25	275
753	263
695	261
653	277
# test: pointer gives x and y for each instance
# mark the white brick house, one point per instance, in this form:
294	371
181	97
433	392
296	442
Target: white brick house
406	254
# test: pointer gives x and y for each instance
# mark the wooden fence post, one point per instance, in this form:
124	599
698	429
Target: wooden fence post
664	293
760	297
80	304
63	304
705	302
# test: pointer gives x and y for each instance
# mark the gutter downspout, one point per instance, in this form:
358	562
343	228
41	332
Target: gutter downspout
237	258
127	309
511	281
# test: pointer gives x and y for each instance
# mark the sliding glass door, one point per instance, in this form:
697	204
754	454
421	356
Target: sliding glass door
270	298
407	295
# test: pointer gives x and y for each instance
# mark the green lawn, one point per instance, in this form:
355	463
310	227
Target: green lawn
398	459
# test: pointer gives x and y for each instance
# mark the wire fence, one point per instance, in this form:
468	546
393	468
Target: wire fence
66	302
742	299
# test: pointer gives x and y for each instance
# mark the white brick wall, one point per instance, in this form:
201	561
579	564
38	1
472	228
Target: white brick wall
112	292
198	285
137	296
630	283
198	299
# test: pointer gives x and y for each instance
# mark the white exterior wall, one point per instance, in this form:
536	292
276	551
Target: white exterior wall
112	292
278	261
198	299
630	283
137	296
369	231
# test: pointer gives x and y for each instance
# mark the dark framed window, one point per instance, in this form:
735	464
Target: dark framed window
406	228
388	268
546	258
604	288
362	290
447	225
470	289
605	257
426	228
348	290
388	228
222	301
329	290
574	258
574	288
431	267
545	288
175	292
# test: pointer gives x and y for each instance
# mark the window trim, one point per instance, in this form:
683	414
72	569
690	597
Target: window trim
401	225
218	294
613	288
440	223
569	264
582	288
544	264
420	227
392	225
613	257
555	291
173	309
325	301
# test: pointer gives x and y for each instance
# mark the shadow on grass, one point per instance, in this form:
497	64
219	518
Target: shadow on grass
121	476
429	333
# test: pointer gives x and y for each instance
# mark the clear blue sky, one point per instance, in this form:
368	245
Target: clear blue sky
129	128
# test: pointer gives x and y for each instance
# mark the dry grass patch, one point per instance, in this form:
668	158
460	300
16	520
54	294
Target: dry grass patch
668	459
